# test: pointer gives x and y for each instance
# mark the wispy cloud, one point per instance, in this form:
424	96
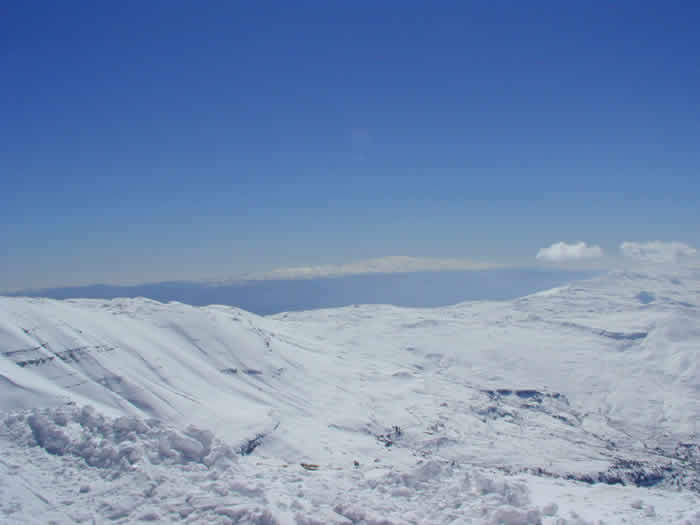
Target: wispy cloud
561	251
657	251
392	264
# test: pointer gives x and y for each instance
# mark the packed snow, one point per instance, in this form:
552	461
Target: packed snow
572	406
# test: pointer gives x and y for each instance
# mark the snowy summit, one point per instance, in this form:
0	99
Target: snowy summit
571	406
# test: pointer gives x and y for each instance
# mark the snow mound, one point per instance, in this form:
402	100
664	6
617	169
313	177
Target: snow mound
113	444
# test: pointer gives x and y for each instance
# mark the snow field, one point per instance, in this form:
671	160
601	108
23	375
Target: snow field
572	406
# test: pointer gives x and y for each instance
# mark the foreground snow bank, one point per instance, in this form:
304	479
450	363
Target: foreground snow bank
72	464
116	444
80	466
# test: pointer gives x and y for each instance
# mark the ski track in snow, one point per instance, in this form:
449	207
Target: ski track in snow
571	406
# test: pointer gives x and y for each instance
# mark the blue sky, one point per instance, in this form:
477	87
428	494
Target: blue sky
146	141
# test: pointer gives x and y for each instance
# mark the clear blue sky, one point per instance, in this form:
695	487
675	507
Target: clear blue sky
143	140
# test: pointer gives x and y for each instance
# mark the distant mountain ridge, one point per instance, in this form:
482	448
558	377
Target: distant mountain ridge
268	296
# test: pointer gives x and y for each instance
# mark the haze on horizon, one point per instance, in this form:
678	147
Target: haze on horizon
180	142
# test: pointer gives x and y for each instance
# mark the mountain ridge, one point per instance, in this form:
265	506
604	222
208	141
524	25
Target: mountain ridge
599	386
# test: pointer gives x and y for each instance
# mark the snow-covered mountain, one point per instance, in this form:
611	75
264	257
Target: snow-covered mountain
573	405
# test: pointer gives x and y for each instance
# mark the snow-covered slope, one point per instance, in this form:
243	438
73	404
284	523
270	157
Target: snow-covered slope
567	406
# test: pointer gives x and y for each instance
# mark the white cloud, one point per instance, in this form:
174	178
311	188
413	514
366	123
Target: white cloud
561	251
657	251
393	264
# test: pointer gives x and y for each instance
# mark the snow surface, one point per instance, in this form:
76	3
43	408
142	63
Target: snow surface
571	406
